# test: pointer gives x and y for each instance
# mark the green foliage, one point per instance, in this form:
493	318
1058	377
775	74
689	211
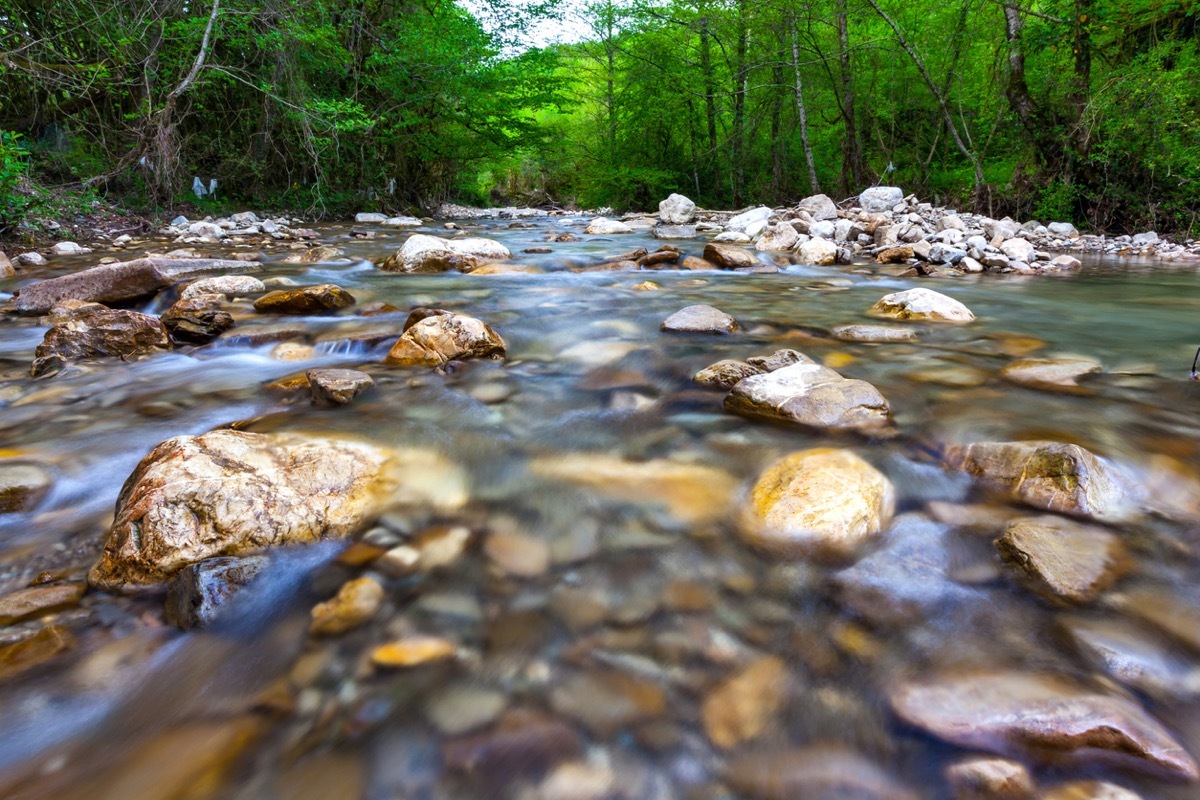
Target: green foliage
1057	200
14	201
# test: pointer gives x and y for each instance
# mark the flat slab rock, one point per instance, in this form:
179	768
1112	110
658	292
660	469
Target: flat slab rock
127	280
1043	717
873	333
1064	561
700	319
1049	374
813	396
1054	476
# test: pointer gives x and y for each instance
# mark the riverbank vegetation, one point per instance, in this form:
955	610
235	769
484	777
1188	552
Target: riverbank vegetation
1082	110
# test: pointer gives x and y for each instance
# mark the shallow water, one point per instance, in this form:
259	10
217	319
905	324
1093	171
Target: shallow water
254	707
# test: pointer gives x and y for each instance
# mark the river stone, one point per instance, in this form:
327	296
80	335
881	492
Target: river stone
676	210
1063	262
231	492
198	319
699	319
989	778
26	654
779	359
921	305
604	702
1064	478
818	252
1130	652
1089	790
732	237
880	199
818	772
725	374
747	219
22	486
1042	717
602	226
35	601
94	331
6	267
198	592
403	222
433	340
811	395
671	232
727	256
1018	250
337	387
778	237
819	207
369	217
423	253
823	502
1063	229
742	707
873	333
895	255
464	707
1064	561
318	299
111	283
1049	374
69	249
1143	239
355	603
230	286
31	259
521	741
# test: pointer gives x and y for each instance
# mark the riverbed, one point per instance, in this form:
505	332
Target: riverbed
584	670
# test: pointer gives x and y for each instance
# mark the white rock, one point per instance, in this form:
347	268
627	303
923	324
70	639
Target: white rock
744	220
402	222
924	305
878	199
69	249
732	237
229	285
206	229
819	207
31	259
778	237
1149	237
824	229
1063	229
602	226
1018	250
818	252
369	217
676	210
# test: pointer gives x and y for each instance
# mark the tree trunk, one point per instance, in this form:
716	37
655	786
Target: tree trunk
706	69
801	111
737	139
852	154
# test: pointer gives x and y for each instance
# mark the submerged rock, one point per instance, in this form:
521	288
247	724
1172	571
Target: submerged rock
822	502
320	299
1136	656
1054	476
742	707
700	319
198	319
433	340
112	283
873	333
354	605
35	601
817	772
921	305
337	387
230	492
1062	560
198	593
316	255
1039	716
811	395
94	331
1049	374
22	486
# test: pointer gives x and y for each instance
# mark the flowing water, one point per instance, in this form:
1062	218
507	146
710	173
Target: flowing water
586	677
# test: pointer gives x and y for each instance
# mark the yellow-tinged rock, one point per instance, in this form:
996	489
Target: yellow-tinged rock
821	503
413	651
354	604
742	707
646	286
837	359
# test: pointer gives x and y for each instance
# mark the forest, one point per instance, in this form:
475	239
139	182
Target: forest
1081	110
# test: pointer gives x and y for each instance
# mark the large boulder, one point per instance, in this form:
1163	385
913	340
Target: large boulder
921	305
198	319
95	331
433	337
748	219
879	199
778	237
231	492
818	252
823	502
1039	716
700	319
1064	561
320	299
423	253
1054	476
1018	250
676	210
813	396
602	226
819	207
112	283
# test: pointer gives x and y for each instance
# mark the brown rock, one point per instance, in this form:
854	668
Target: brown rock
198	319
694	264
337	387
354	605
38	600
94	331
725	374
21	656
521	742
1043	717
1049	374
22	486
728	256
989	778
700	319
740	709
112	283
319	299
440	337
1053	476
229	492
315	255
1062	560
822	502
518	554
813	396
413	651
1089	790
646	286
819	772
894	255
606	702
